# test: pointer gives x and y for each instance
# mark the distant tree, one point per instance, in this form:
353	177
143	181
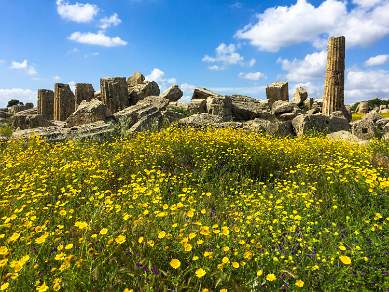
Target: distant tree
14	102
373	103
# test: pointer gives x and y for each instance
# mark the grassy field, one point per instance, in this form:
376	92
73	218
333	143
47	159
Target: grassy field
189	210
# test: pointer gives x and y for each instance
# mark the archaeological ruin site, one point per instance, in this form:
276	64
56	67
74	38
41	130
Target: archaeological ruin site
136	105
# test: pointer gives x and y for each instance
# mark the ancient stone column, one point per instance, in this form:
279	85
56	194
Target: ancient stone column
333	99
277	91
84	91
114	93
64	102
46	103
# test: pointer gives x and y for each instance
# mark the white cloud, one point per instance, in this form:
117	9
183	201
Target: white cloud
252	62
98	39
224	55
377	60
310	68
24	95
77	12
25	67
301	22
366	3
107	22
158	76
254	76
366	84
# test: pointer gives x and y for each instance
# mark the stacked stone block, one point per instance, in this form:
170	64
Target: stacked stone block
64	102
114	93
333	99
277	91
84	91
46	103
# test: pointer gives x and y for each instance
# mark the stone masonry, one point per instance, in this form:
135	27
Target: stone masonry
84	91
46	103
114	93
333	99
277	91
64	102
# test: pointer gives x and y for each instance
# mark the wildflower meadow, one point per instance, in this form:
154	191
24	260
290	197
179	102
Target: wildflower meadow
194	210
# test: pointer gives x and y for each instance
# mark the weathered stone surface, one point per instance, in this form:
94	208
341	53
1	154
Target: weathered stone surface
306	124
46	103
19	108
300	96
281	107
230	125
220	106
202	93
88	112
143	90
135	79
277	128
197	106
64	102
333	99
287	116
114	93
173	93
84	91
28	119
363	107
373	115
245	108
277	91
381	123
200	120
150	106
384	111
4	114
95	131
343	135
308	104
364	129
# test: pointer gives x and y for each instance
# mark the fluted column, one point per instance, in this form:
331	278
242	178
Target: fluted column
333	99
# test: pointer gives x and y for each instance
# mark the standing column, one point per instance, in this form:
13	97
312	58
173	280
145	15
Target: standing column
46	103
114	93
64	102
333	99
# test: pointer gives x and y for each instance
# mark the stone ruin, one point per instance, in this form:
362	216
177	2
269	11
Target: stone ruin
333	99
83	91
114	93
136	104
64	102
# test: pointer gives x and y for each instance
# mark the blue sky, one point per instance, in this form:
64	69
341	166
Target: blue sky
233	47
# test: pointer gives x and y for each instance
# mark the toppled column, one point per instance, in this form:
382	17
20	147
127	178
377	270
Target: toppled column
333	99
114	93
64	102
84	91
277	91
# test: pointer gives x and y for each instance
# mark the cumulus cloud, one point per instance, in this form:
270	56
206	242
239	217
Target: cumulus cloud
224	55
159	76
24	66
78	12
377	60
24	95
107	22
307	69
302	22
254	76
98	39
366	84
